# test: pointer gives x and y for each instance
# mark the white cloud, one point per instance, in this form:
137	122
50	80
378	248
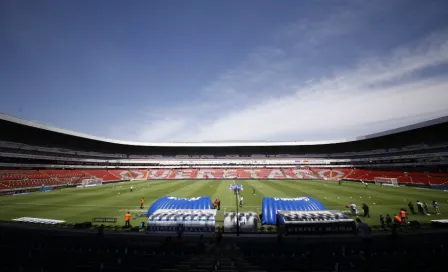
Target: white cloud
265	99
164	128
327	111
316	32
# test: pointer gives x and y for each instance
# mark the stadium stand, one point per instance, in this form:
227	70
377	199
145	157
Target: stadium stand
121	174
139	173
38	249
63	173
103	174
33	178
402	177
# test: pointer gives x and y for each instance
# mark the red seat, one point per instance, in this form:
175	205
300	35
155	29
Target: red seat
103	174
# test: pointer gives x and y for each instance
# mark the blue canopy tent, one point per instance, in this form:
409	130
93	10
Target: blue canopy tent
179	203
271	205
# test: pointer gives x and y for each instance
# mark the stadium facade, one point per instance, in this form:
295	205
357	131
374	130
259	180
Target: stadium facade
33	154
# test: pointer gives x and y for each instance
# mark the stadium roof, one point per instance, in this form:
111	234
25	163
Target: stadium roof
35	134
32	124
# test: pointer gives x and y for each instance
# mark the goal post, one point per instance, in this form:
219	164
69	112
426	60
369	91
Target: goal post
386	181
91	182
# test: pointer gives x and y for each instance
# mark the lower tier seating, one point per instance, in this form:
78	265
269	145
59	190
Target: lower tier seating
10	179
298	173
15	179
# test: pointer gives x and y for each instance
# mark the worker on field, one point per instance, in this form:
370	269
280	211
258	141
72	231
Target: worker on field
241	201
411	207
253	190
425	206
142	201
436	206
353	209
366	209
132	188
420	207
403	215
127	220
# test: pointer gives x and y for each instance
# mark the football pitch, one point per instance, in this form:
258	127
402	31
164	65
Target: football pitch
76	205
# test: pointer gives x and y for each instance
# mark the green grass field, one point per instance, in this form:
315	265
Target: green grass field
76	205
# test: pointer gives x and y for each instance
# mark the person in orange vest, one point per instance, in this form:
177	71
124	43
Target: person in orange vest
403	215
397	219
127	219
142	201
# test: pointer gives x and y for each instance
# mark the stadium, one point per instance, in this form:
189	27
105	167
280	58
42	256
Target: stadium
71	181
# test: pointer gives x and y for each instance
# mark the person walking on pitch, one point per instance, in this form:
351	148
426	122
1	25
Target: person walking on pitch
436	206
366	210
411	207
127	220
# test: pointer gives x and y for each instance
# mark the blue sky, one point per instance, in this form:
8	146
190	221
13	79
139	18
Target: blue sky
162	71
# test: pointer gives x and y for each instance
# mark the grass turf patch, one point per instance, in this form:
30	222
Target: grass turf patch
76	205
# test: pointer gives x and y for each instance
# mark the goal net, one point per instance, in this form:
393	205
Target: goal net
91	182
386	181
